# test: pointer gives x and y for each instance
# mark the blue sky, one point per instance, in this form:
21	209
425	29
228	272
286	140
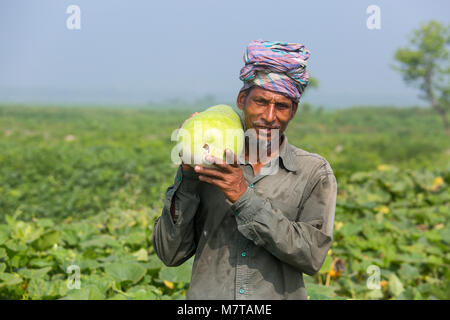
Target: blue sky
133	52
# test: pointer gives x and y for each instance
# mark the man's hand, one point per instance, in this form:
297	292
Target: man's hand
186	167
228	177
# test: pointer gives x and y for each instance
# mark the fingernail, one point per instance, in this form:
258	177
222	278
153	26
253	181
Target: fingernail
197	168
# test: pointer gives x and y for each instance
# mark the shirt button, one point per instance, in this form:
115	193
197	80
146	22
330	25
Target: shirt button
241	291
243	254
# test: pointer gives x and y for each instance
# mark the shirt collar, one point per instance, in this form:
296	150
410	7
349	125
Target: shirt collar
286	155
285	151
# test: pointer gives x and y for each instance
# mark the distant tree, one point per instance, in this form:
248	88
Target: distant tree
305	107
313	83
426	63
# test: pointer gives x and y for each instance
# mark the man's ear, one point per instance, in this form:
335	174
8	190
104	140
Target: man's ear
294	110
240	101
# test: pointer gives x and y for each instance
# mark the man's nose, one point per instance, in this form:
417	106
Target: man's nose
269	114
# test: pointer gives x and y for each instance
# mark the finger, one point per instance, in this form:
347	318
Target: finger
195	113
209	172
218	162
211	180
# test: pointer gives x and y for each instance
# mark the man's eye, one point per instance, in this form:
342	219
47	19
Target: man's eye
260	102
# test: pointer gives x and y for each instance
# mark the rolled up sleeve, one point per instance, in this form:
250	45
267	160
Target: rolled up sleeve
302	243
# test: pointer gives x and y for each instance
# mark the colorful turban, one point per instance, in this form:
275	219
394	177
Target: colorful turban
276	66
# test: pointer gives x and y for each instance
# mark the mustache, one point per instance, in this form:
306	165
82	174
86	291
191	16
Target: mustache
265	126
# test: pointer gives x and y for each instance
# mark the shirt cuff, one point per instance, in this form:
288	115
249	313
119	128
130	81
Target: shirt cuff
244	207
187	180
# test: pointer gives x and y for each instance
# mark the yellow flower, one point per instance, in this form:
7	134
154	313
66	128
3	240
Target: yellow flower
339	225
437	182
384	209
336	268
169	284
382	167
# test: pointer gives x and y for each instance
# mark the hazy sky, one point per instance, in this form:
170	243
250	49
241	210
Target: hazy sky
132	52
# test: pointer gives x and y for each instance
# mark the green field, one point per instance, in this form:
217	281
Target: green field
82	186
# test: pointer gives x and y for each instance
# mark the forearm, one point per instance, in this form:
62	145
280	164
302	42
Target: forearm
302	244
173	239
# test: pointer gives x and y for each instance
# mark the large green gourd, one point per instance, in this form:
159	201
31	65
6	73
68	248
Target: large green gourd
209	133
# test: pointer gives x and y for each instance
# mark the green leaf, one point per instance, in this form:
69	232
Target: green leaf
141	255
9	279
45	223
69	236
434	260
408	271
41	263
375	294
15	246
349	229
326	265
3	235
316	292
47	240
154	263
102	283
18	260
136	238
178	296
395	286
3	253
25	232
118	296
142	293
125	271
177	274
34	273
445	234
100	241
39	289
85	293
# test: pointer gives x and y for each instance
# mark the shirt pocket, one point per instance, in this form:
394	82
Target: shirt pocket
289	211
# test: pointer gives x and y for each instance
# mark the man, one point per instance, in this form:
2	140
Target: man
254	234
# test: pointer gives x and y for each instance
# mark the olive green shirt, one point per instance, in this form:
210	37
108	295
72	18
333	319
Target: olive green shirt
258	247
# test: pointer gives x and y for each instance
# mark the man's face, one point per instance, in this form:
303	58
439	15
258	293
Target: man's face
265	110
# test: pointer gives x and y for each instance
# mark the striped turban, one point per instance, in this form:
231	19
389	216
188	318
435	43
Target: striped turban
276	66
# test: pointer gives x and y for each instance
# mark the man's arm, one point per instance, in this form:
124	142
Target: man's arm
302	244
173	232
